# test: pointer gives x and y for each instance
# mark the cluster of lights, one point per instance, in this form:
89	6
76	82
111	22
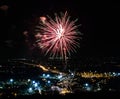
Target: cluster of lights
97	75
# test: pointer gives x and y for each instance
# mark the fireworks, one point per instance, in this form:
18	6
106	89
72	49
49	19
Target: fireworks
59	36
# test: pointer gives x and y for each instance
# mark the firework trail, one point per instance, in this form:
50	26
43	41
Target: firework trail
58	36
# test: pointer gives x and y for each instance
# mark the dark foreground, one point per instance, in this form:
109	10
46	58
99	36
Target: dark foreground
82	95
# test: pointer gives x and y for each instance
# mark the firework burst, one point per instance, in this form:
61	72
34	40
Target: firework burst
58	36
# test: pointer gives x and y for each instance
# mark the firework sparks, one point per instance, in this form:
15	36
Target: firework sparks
59	36
43	19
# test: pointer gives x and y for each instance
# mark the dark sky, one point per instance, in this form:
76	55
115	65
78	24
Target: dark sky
100	24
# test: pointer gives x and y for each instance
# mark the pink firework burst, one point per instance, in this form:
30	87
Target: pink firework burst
58	36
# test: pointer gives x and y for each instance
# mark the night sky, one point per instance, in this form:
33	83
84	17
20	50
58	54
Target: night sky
99	21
